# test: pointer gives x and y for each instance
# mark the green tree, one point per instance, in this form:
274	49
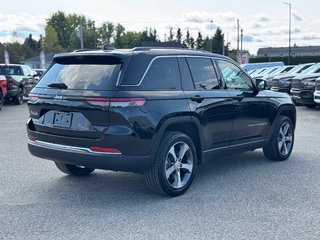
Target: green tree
62	27
106	32
118	38
199	41
170	39
51	40
179	35
218	41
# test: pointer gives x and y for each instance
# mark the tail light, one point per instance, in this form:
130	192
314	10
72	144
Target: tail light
117	102
33	97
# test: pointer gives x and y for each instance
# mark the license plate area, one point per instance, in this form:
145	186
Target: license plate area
62	119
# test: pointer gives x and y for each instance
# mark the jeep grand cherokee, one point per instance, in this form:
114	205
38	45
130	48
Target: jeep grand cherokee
159	112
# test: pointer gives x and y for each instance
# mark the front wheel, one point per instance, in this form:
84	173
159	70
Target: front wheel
280	145
73	169
18	100
174	167
1	100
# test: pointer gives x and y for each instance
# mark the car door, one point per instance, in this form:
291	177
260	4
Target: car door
251	123
208	100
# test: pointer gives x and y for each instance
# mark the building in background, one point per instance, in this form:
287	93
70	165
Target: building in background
35	62
284	51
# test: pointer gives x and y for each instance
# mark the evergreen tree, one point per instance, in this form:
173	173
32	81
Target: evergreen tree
179	35
199	41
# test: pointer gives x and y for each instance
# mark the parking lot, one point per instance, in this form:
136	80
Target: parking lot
239	197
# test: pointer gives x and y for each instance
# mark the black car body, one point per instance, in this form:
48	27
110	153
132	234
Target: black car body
303	88
20	81
283	83
121	109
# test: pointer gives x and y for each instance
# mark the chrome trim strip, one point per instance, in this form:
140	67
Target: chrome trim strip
236	145
67	148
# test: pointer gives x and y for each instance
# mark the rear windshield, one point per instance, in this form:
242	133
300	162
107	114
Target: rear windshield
11	70
83	74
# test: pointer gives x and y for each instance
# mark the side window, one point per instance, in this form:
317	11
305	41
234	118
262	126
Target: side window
162	74
203	73
25	71
234	77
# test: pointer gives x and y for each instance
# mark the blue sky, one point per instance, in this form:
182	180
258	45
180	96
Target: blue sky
264	23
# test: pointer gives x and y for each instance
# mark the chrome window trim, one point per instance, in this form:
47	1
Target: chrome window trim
164	56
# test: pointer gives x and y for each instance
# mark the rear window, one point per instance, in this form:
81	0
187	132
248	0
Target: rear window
11	70
83	73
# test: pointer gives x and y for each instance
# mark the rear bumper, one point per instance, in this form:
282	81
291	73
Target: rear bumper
85	157
317	97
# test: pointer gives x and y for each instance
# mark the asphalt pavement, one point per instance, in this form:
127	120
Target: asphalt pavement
243	196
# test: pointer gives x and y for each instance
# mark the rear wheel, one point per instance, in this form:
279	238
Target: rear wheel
280	145
18	100
174	168
1	100
73	169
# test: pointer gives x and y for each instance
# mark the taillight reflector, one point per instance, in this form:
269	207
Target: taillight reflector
103	149
32	138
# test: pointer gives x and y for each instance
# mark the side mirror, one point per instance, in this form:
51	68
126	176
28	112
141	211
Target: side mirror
261	84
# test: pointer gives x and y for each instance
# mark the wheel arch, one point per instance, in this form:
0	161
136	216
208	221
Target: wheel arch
188	125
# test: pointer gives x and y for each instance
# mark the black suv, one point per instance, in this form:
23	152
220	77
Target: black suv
159	112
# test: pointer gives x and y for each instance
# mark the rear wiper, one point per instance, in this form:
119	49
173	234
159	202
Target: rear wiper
58	85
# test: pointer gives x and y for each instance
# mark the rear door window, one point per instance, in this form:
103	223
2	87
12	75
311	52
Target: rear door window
163	74
203	73
83	74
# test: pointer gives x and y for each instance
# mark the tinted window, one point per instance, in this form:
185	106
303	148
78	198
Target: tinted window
10	70
162	74
82	76
203	73
234	77
186	78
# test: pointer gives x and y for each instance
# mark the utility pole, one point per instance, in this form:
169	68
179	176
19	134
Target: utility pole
238	27
289	57
241	36
94	35
211	38
81	34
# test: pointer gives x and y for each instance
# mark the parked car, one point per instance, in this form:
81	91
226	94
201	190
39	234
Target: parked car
269	70
317	92
303	87
159	112
283	83
280	71
250	66
20	81
3	89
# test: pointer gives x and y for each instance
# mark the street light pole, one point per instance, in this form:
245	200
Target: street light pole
211	38
289	57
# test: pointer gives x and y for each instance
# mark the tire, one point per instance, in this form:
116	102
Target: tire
310	105
18	100
1	100
73	169
174	167
281	143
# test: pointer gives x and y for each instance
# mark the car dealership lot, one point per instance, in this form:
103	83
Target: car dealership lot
239	197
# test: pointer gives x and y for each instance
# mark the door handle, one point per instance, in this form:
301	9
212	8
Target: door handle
197	98
238	97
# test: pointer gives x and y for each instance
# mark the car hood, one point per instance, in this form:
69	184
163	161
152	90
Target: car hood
284	76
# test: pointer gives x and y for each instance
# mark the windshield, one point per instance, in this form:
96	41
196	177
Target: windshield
311	69
11	70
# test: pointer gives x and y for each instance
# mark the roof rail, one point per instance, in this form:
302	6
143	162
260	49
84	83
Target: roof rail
84	50
151	48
